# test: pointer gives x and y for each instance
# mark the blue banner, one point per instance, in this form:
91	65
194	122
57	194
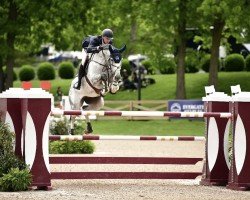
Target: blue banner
185	106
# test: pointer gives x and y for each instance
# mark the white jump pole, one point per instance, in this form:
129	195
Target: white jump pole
125	137
143	113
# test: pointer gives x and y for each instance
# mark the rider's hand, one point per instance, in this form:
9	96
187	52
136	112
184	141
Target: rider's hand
100	48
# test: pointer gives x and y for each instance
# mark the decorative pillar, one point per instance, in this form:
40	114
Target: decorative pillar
35	117
10	113
28	113
239	175
216	163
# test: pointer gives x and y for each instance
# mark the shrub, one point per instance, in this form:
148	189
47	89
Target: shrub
168	66
148	65
192	61
248	63
6	138
69	147
14	174
26	73
58	126
126	65
79	127
191	67
234	62
7	158
46	71
15	180
8	161
14	73
66	70
205	63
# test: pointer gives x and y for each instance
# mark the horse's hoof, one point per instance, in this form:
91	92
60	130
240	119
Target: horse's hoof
71	132
89	128
86	132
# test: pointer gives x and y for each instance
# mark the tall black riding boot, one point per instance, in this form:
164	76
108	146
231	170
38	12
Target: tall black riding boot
80	75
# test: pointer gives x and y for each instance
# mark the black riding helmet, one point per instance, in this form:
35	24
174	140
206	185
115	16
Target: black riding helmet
107	33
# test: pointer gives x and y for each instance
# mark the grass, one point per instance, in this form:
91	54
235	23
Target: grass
179	127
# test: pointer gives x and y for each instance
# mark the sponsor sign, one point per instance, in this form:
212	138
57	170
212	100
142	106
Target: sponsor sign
186	106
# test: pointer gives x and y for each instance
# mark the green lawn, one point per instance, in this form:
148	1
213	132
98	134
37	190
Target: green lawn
176	127
165	86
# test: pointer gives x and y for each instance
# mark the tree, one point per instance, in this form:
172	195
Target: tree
172	19
26	24
221	15
181	49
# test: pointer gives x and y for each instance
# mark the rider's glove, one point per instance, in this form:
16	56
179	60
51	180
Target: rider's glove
99	48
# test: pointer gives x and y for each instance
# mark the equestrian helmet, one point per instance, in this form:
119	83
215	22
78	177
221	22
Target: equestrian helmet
107	33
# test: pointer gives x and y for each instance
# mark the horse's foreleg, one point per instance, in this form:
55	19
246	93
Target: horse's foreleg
88	129
72	120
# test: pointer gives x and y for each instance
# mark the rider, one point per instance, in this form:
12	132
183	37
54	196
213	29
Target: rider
95	46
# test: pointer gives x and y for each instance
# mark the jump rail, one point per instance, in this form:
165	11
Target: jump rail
124	160
124	137
143	113
124	175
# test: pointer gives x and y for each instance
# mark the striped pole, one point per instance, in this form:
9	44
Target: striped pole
143	113
124	137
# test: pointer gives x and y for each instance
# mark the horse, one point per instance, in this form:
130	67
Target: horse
102	75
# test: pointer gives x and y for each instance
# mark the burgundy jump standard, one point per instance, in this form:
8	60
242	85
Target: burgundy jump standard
35	135
239	174
19	108
10	108
216	173
41	176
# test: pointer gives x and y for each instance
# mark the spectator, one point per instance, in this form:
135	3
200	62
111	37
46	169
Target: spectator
59	94
127	84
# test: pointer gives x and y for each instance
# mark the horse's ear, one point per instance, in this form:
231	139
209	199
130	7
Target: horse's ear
111	49
122	49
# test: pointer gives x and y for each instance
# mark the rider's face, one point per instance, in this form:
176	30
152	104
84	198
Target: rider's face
106	40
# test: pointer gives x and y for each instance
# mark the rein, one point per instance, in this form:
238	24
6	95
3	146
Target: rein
107	66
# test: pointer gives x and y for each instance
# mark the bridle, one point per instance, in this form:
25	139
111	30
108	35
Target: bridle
107	67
